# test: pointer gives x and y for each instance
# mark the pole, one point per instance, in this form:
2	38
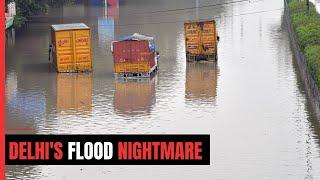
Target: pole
197	9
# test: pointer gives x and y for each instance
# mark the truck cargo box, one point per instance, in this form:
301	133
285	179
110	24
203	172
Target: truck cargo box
134	56
201	40
71	47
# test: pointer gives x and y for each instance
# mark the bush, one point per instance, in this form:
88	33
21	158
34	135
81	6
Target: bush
306	24
312	54
303	19
296	6
308	35
19	21
28	8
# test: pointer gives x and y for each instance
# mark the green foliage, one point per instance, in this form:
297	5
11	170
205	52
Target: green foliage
307	27
27	8
19	21
305	23
300	6
59	3
312	54
303	19
308	35
31	7
297	6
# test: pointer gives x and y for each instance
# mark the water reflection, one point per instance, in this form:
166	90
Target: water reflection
11	85
134	96
105	30
22	172
106	22
30	104
10	37
74	93
112	8
77	10
201	81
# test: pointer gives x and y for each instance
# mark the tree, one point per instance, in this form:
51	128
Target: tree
27	8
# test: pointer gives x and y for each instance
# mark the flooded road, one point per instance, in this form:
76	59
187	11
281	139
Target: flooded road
252	102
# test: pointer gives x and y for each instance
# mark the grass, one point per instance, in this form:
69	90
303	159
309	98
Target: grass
306	24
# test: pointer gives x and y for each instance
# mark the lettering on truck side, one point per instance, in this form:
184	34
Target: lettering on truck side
61	42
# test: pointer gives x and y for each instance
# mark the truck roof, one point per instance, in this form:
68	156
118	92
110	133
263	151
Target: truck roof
200	21
73	26
137	37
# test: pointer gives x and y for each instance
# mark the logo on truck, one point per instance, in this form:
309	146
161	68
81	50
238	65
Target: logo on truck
61	42
82	40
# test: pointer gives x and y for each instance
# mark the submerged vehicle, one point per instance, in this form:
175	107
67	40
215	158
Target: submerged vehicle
201	41
70	48
135	56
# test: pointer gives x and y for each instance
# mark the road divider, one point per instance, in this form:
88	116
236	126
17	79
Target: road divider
303	25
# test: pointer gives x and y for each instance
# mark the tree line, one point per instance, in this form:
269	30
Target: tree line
27	8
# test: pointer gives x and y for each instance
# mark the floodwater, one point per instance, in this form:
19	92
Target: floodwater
251	102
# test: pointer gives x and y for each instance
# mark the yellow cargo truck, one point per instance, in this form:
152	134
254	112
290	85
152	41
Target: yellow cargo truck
201	40
70	48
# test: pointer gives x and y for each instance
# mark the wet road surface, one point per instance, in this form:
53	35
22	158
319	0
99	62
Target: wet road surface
252	102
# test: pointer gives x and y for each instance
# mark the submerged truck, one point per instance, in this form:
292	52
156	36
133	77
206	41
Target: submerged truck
201	41
134	57
70	48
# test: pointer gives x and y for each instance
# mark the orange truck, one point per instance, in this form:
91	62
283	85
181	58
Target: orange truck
201	41
70	48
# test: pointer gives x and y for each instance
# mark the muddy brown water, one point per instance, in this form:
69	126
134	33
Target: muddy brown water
252	102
